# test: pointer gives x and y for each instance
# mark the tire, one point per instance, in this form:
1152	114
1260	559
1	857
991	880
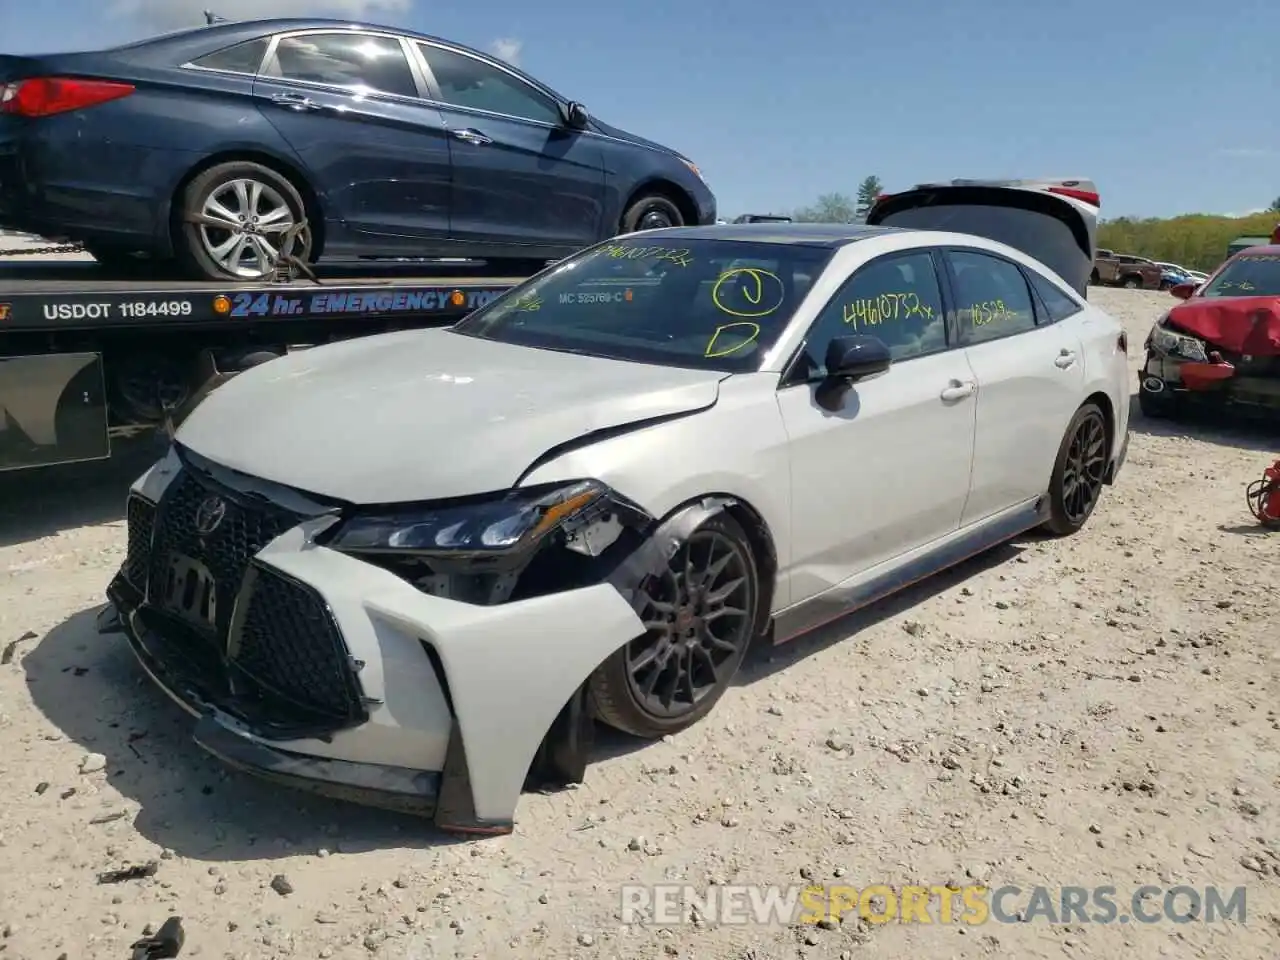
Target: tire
1132	283
651	212
1084	453
1094	279
277	197
616	689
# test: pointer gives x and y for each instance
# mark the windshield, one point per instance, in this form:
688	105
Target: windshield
708	304
1252	275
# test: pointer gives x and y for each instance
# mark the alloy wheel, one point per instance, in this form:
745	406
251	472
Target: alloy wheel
243	226
698	617
1085	468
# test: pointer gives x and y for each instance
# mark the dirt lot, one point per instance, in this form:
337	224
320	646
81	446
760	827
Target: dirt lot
1094	711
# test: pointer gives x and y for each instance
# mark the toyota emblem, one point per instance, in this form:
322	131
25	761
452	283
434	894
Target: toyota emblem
209	515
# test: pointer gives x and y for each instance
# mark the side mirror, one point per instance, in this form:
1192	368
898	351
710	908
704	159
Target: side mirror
856	358
1184	291
576	116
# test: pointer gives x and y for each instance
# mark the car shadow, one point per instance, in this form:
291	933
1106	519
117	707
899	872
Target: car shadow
766	659
1210	426
90	687
47	500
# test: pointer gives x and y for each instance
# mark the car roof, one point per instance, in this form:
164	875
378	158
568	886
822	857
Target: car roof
1267	249
809	234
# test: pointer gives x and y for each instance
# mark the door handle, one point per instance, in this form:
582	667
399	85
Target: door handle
295	101
957	390
473	137
1065	359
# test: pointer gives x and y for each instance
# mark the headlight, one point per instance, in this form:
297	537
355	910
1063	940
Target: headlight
694	167
505	524
1176	344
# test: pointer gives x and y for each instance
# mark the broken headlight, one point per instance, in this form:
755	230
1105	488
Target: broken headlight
504	524
1174	344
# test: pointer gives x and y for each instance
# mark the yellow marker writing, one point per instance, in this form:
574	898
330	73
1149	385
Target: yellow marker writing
761	289
749	332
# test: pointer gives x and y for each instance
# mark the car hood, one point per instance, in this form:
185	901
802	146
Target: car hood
1248	325
425	415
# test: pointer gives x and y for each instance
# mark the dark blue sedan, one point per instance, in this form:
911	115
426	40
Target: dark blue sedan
213	145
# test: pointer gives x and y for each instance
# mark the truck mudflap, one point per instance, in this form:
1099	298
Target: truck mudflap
53	410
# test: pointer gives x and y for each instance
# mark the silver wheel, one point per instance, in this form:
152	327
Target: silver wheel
243	225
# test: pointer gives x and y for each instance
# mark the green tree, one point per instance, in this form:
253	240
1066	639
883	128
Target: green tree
868	190
829	208
1275	206
1195	240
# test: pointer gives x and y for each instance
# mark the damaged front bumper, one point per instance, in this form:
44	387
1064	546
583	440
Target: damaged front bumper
341	678
1221	379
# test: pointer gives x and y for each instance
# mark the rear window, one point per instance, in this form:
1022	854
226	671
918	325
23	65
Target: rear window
1046	228
1250	275
244	57
707	304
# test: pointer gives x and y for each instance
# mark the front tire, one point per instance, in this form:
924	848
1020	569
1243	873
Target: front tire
1079	471
700	614
234	221
651	212
1132	283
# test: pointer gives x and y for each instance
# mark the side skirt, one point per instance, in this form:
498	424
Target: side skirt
809	615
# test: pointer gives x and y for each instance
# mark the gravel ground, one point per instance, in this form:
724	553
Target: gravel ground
1087	712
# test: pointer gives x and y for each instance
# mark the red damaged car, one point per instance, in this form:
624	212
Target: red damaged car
1222	344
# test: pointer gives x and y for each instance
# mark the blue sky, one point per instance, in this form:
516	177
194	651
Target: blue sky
1169	106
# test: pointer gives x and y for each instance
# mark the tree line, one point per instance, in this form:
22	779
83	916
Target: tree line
1195	240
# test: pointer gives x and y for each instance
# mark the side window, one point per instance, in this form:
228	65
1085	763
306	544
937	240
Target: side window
992	299
346	60
242	58
467	82
1057	302
896	299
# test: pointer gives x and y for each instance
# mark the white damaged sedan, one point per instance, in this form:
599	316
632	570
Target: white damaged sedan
414	569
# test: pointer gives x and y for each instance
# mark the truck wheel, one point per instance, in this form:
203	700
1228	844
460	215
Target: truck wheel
1132	283
1095	279
700	614
651	212
234	221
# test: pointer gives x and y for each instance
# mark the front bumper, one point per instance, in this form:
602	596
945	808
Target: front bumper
450	702
1240	383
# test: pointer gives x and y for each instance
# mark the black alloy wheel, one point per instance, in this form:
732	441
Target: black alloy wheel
653	212
699	617
1080	471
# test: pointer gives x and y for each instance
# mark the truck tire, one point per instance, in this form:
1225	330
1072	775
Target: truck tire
256	204
1132	282
1095	279
652	211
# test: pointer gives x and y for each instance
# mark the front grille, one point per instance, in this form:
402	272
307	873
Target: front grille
247	527
140	517
288	643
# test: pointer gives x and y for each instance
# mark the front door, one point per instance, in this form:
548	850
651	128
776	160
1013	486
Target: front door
349	105
889	470
520	176
1030	381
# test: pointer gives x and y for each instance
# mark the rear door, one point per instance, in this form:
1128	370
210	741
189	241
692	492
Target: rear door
350	105
1052	221
1029	364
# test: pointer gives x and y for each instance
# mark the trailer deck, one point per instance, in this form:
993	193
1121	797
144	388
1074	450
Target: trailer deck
58	296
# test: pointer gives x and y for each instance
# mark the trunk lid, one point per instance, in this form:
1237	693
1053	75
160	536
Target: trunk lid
1055	221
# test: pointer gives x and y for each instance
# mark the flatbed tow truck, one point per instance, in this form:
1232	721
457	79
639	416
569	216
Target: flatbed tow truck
88	356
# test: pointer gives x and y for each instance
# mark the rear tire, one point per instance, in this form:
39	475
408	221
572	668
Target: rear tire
653	211
1132	283
1079	471
249	207
701	616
